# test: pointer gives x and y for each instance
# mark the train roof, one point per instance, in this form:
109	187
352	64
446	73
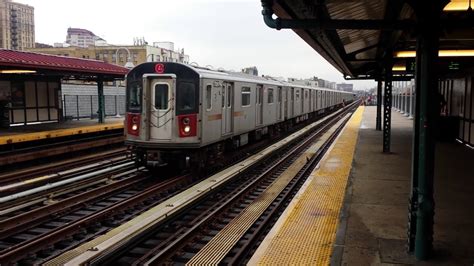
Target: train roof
239	76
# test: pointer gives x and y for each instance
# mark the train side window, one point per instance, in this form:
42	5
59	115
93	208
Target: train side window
161	96
245	96
270	96
209	97
297	95
279	94
306	94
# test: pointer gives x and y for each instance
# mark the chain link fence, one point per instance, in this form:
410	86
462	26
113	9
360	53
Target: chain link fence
86	106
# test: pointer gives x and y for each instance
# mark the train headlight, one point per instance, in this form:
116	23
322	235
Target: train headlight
187	129
134	127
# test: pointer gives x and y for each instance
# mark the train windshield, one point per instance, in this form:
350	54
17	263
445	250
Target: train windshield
134	95
186	98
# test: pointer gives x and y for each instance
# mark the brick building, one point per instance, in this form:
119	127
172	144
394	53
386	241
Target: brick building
17	26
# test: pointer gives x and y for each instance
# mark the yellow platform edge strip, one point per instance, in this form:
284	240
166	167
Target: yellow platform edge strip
307	235
58	133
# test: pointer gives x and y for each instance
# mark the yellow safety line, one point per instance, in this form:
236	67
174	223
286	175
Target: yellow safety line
57	133
307	236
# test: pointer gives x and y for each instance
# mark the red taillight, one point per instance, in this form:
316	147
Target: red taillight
187	125
133	127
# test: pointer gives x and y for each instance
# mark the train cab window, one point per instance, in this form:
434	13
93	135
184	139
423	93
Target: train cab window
134	97
186	97
270	96
209	97
161	96
245	96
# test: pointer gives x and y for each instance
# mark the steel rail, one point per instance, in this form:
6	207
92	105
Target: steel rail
18	251
25	220
46	169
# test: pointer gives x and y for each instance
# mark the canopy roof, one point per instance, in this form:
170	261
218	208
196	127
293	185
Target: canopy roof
355	36
44	64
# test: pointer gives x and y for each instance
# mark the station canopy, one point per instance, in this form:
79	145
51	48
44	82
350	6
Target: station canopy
19	62
356	36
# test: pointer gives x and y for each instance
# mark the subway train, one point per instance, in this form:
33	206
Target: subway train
182	115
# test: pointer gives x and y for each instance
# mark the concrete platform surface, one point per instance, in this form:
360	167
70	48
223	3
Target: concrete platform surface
373	228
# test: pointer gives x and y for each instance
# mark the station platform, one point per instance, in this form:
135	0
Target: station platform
23	134
353	210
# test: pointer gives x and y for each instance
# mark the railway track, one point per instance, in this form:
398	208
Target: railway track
181	227
50	172
34	235
36	151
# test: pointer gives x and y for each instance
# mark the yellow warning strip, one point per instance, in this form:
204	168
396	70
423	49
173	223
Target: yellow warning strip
57	133
307	235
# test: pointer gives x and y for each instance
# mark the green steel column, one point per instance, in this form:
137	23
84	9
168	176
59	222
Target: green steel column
378	119
387	109
101	100
413	206
428	14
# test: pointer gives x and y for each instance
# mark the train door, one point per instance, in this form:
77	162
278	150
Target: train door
292	101
160	111
227	106
259	105
279	104
304	96
310	101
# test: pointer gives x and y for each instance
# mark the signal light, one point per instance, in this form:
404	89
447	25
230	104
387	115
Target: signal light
159	68
186	120
134	127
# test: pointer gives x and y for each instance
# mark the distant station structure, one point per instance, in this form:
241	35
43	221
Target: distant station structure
30	84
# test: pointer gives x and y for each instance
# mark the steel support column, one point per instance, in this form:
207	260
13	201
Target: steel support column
378	120
387	110
428	14
100	100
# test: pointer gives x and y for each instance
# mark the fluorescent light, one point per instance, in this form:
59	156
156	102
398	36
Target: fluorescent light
457	5
399	68
441	53
17	71
404	54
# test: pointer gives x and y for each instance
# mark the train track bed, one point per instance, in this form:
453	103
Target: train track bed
36	152
52	171
249	193
40	231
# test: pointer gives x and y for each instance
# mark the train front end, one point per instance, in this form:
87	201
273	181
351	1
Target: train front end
162	120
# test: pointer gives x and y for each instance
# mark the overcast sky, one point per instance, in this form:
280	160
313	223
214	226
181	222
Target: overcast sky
223	33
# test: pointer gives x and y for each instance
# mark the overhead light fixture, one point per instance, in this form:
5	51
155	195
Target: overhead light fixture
399	68
441	53
457	5
17	71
